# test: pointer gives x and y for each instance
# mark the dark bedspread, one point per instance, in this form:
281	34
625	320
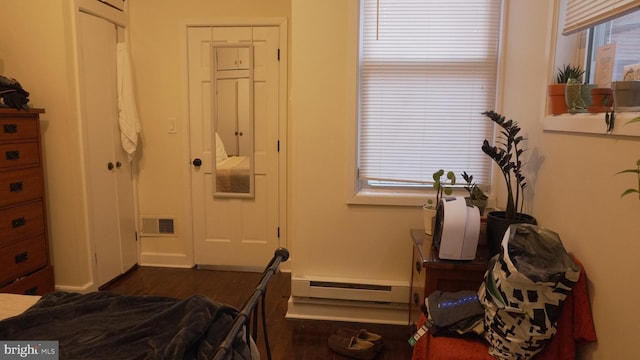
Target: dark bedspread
104	325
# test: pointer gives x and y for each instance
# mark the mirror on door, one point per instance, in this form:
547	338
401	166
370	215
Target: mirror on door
232	79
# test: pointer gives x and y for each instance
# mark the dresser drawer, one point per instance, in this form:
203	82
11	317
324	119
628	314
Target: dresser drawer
22	258
418	279
38	283
21	222
20	185
19	154
16	128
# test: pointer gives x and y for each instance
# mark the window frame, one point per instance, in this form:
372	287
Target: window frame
570	49
361	194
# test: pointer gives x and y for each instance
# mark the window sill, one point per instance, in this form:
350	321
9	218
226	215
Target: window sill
398	198
389	198
591	123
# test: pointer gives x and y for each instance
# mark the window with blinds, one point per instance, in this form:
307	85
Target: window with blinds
624	32
584	14
428	69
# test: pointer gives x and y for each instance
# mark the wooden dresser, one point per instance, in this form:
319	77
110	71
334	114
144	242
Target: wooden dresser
429	273
24	248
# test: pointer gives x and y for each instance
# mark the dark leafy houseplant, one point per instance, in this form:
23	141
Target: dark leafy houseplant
476	196
507	155
475	193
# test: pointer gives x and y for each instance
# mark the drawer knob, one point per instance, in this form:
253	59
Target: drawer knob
16	186
10	128
416	298
16	223
12	155
110	165
22	257
418	266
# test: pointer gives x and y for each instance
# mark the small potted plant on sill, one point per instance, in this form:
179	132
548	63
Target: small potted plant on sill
557	91
507	155
476	196
442	186
601	100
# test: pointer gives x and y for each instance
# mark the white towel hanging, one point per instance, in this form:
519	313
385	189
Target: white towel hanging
127	110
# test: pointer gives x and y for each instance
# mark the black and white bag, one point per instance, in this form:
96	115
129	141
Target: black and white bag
523	289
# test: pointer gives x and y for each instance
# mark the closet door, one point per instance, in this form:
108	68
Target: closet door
109	187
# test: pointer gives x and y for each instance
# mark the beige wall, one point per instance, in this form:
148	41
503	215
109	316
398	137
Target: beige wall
159	54
329	237
575	190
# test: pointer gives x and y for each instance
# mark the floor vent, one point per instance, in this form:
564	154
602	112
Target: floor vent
157	227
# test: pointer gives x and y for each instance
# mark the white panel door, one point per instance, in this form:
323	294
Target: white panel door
110	190
235	232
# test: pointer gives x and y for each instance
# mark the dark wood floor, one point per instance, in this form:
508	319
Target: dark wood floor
289	338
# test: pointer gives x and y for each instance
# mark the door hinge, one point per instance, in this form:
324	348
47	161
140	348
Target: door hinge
278	232
136	234
95	256
278	54
278	145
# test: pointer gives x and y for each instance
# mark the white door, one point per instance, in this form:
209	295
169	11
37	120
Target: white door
110	189
235	232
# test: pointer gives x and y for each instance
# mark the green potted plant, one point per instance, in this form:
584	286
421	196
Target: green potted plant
442	186
476	196
635	171
556	92
507	155
601	100
632	171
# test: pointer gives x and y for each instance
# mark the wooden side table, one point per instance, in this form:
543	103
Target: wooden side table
429	273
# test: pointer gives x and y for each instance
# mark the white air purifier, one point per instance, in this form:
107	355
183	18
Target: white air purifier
457	229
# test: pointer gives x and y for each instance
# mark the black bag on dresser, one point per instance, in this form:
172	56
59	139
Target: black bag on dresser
12	93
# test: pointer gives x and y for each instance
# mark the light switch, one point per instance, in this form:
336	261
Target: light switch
172	125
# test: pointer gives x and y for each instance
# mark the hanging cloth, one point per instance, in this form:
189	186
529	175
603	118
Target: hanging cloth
127	110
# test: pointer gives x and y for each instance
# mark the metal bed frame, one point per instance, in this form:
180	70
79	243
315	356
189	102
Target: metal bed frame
249	312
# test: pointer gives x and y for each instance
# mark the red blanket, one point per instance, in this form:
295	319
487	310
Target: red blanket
575	328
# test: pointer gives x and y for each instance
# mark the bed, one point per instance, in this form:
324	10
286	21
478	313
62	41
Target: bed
106	325
233	175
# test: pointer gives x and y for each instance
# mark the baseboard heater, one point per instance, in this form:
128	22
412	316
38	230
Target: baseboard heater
350	289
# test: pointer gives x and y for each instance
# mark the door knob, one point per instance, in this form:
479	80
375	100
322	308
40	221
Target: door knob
118	164
110	165
197	162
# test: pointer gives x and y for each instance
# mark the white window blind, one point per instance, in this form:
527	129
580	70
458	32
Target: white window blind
427	72
583	14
